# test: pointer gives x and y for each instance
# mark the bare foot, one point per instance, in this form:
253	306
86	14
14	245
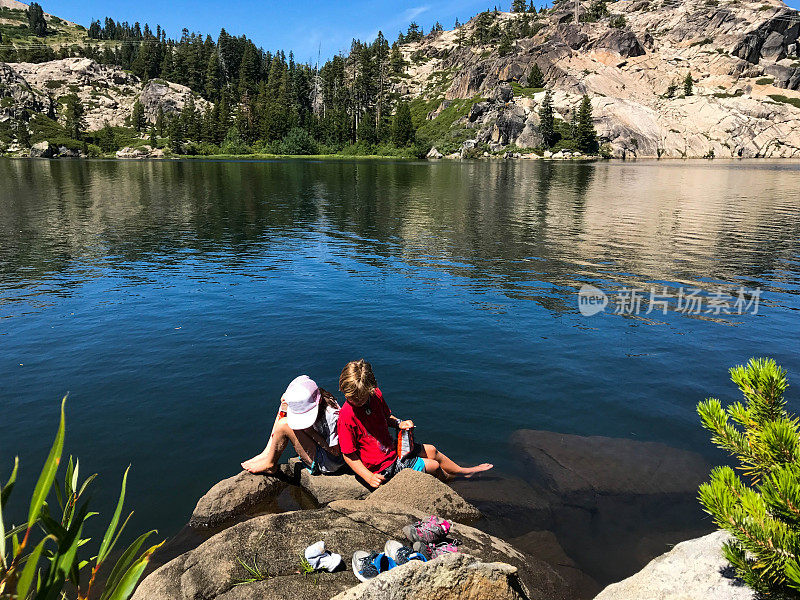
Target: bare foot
259	464
470	471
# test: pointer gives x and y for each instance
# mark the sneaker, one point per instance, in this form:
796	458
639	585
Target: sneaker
423	549
367	565
431	551
444	548
430	531
402	554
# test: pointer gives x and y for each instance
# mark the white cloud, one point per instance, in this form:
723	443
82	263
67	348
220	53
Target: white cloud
413	13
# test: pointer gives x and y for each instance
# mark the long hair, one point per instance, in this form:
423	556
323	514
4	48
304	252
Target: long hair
326	399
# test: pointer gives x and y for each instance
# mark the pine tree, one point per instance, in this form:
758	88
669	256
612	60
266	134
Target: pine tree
536	77
137	116
585	135
105	138
547	122
688	85
176	135
506	46
519	6
160	121
36	20
403	132
213	76
248	72
153	138
763	517
23	135
74	116
397	63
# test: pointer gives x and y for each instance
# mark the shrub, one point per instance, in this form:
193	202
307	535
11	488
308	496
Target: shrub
786	100
617	21
51	564
763	515
298	142
234	144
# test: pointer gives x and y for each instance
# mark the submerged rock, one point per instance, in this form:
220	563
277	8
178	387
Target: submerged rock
691	570
633	499
578	468
450	577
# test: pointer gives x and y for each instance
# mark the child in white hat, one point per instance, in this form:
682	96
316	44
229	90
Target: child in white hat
308	417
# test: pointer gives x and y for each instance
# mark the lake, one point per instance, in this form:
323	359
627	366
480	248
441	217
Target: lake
174	301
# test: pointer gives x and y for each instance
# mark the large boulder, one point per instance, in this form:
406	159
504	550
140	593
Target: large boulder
324	489
43	150
275	544
246	494
622	41
770	39
691	570
426	494
510	124
170	97
133	153
106	91
235	497
23	102
450	577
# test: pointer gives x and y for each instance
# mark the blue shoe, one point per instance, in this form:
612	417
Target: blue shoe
402	554
367	565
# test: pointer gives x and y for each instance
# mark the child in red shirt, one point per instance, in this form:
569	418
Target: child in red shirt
364	438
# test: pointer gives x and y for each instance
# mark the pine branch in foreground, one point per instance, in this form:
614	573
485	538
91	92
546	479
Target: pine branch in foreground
762	516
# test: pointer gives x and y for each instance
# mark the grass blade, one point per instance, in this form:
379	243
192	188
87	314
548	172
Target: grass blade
48	472
6	492
26	578
2	540
128	581
74	485
112	526
124	562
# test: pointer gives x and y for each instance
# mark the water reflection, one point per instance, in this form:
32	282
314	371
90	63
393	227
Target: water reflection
532	230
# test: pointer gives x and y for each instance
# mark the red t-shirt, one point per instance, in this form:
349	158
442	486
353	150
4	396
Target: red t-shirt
367	434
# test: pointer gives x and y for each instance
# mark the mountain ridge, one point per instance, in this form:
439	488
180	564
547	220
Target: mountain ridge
470	91
737	52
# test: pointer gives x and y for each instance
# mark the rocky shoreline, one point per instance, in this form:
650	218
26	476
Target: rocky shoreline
632	496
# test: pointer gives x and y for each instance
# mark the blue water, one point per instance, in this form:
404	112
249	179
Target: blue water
175	300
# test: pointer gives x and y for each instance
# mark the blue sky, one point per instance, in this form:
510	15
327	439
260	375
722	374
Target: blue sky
303	26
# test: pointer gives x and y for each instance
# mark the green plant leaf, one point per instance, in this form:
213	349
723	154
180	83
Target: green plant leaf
6	491
26	577
86	484
128	581
124	562
74	482
2	539
48	472
105	545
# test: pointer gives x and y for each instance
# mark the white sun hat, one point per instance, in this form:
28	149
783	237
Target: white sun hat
302	400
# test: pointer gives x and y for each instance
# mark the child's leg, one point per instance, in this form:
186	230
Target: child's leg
449	467
435	469
282	434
